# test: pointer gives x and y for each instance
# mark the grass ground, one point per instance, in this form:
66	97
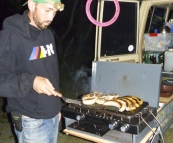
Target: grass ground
6	134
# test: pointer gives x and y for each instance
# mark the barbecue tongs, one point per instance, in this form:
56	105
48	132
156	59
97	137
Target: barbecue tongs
68	100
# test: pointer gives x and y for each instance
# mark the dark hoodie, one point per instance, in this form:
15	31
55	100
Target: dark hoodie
22	58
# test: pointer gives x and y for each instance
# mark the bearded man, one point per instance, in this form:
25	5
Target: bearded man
29	72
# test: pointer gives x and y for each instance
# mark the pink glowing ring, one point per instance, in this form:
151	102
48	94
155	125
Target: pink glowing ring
102	24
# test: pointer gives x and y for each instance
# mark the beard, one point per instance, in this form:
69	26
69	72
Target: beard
40	24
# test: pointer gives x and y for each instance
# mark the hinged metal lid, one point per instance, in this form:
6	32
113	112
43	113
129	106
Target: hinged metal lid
141	80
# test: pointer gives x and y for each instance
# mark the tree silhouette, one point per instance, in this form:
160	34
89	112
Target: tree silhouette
74	33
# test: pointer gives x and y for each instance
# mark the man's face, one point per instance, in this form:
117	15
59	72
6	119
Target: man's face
43	15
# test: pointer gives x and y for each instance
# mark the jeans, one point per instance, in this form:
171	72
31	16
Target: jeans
38	130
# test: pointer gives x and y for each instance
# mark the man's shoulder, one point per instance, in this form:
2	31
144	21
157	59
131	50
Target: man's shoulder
15	21
5	34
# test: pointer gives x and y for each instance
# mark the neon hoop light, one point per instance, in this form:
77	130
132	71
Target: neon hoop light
102	24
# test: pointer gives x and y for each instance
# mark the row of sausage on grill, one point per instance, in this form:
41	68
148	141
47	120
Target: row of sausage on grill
123	103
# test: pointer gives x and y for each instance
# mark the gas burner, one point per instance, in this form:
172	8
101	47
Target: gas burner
104	118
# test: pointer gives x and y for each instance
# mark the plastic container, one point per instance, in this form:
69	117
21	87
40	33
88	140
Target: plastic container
168	60
158	42
166	88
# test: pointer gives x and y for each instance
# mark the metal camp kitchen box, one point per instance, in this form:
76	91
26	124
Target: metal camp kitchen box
141	80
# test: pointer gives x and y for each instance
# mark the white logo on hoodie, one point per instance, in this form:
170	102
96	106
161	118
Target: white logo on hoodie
39	52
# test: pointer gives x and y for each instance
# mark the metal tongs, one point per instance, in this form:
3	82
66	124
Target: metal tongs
68	100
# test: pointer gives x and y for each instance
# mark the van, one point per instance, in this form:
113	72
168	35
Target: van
124	41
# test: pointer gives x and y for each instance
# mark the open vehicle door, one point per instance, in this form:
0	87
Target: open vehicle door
123	40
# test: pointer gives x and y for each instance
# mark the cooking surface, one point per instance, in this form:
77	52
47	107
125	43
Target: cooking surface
101	109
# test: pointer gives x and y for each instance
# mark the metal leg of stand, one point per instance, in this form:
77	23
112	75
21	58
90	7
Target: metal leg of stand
161	134
158	131
154	136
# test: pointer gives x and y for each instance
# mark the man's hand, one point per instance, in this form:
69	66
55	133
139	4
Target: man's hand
43	85
59	116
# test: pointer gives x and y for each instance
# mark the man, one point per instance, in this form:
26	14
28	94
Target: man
29	72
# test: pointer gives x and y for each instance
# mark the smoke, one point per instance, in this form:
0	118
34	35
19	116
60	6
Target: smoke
82	80
75	82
